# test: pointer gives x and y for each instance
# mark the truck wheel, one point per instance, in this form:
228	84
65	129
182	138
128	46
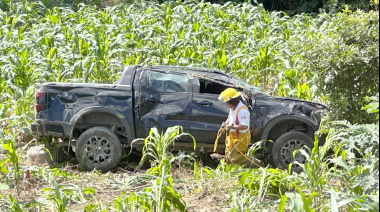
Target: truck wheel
285	145
101	147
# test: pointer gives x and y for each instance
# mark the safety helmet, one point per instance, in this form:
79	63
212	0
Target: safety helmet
228	94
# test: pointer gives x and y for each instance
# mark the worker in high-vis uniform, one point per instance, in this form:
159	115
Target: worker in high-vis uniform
237	126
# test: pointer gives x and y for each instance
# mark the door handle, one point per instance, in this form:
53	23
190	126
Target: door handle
204	102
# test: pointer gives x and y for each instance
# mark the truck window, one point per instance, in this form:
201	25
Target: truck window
210	87
168	83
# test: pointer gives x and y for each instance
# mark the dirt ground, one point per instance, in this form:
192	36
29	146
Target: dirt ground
36	185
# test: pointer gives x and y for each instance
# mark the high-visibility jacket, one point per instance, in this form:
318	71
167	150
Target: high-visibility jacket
237	143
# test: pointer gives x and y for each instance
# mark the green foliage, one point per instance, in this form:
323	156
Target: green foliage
63	195
14	156
287	56
223	172
357	157
357	164
165	197
3	166
264	181
335	54
156	149
297	201
315	174
373	106
59	199
260	188
160	196
314	179
347	63
352	182
14	204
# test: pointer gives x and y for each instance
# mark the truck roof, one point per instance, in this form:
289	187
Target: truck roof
186	68
127	75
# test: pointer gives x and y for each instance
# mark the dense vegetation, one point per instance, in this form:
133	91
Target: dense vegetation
327	57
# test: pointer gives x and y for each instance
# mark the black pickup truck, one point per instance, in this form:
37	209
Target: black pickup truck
101	119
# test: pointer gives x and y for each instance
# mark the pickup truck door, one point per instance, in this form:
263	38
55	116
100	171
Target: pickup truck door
163	100
208	112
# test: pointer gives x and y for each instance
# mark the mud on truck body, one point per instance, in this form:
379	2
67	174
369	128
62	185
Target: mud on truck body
98	120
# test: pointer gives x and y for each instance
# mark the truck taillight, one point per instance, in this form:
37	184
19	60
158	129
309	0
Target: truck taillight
40	101
40	94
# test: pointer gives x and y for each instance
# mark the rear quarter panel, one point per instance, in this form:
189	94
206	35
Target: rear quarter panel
66	102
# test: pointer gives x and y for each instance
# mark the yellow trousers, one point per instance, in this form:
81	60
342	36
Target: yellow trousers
236	147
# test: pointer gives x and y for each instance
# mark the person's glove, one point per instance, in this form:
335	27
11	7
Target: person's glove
224	125
228	128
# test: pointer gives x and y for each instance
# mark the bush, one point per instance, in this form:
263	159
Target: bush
313	6
347	65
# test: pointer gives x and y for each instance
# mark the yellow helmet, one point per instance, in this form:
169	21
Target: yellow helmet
228	94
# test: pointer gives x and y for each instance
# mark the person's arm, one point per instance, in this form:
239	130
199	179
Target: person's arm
225	124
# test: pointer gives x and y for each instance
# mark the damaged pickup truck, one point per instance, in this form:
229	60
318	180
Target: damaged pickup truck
98	120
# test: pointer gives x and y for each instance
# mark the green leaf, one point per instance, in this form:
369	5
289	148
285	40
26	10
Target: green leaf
4	186
281	207
89	191
306	204
3	170
333	201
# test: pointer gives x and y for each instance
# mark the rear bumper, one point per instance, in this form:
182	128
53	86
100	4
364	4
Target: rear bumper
37	129
57	129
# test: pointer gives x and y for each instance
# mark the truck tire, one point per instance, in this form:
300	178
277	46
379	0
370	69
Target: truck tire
102	148
285	145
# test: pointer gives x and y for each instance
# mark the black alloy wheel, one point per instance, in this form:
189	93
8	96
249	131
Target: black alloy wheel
101	147
284	147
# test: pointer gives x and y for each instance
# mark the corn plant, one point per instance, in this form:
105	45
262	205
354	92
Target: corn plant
298	201
314	177
98	206
261	187
264	181
223	172
14	156
160	196
156	146
59	199
15	205
316	170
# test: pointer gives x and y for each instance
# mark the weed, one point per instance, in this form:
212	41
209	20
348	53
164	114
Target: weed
60	200
160	196
14	156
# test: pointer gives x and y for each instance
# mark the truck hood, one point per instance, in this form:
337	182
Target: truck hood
293	100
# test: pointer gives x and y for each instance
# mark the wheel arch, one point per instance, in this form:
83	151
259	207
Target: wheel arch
88	115
277	123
